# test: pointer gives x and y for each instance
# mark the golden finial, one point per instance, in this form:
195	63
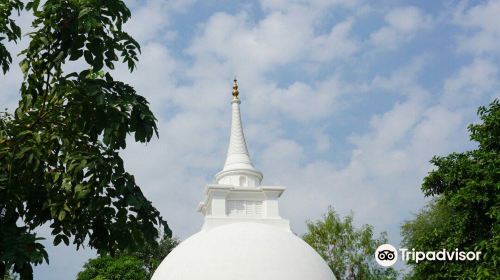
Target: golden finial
235	89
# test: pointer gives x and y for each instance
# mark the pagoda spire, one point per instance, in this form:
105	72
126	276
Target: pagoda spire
238	160
237	194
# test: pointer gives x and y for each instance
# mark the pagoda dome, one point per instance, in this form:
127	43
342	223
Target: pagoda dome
243	251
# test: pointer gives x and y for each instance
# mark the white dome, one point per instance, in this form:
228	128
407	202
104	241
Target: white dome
243	251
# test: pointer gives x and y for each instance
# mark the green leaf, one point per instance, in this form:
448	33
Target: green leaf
24	64
84	12
75	54
57	239
110	65
35	5
66	184
88	57
65	239
81	191
62	215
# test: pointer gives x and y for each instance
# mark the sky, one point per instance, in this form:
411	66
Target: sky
343	102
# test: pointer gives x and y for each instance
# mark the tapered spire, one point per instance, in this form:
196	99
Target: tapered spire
238	159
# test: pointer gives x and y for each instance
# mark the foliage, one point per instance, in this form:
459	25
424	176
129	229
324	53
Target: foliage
465	213
8	30
59	152
109	268
149	257
153	254
348	251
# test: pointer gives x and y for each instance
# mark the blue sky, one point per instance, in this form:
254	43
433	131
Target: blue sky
343	102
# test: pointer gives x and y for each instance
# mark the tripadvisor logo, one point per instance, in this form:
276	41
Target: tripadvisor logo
386	255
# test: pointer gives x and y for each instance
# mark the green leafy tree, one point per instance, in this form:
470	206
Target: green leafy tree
149	256
465	212
59	153
109	268
349	252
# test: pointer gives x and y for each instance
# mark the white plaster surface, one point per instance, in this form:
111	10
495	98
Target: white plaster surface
243	251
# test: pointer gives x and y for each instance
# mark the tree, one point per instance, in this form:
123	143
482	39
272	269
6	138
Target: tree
60	158
348	251
465	212
109	268
149	257
152	255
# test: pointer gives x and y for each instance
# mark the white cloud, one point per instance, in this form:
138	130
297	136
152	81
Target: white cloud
472	82
401	25
299	101
405	77
381	181
275	40
337	44
391	128
281	37
322	141
155	76
283	156
440	130
151	19
481	21
287	5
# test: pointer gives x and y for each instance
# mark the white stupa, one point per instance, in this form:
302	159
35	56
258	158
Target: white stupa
243	236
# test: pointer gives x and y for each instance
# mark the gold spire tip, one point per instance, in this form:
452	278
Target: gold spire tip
235	88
